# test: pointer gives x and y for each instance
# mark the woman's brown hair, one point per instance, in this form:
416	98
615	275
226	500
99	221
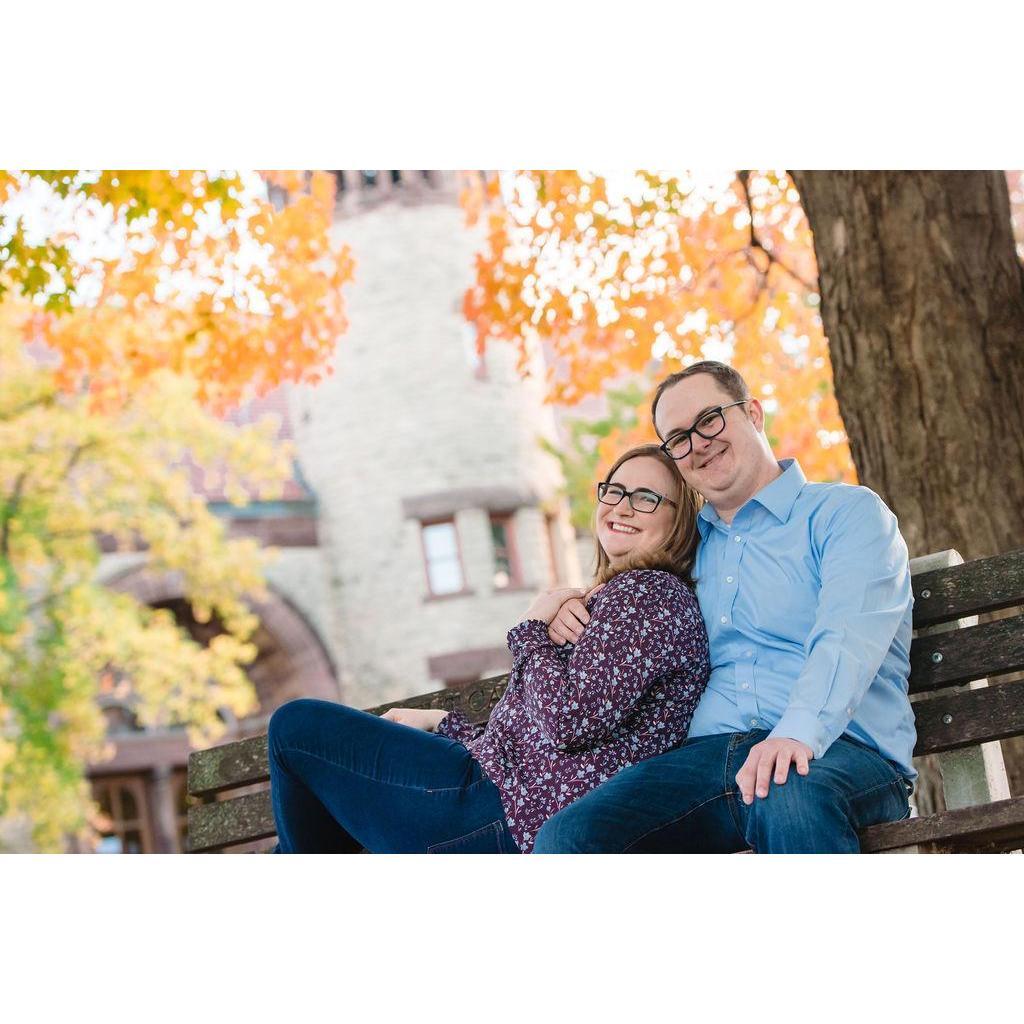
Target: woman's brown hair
676	554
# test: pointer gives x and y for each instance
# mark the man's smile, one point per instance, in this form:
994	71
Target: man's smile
712	460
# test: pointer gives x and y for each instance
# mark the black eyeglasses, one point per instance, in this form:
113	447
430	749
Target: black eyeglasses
709	424
643	499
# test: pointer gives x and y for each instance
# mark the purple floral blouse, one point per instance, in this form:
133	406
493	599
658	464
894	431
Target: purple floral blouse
573	716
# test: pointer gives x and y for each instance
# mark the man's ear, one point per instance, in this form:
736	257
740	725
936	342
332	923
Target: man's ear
756	412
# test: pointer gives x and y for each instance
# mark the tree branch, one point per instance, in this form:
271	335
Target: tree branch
755	242
10	507
48	399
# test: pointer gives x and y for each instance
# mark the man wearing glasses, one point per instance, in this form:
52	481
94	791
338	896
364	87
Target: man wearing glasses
805	732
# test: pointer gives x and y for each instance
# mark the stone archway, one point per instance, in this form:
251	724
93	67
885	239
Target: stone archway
291	662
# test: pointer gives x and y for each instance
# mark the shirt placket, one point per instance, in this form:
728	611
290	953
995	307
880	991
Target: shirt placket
746	694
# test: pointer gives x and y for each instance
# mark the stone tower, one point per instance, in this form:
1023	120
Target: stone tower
439	512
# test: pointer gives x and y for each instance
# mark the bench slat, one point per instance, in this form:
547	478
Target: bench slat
997	825
228	766
242	819
244	762
977	716
983	585
963	655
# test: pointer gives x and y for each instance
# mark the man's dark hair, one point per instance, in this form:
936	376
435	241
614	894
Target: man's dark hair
731	382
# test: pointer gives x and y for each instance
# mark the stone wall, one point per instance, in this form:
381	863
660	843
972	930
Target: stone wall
410	418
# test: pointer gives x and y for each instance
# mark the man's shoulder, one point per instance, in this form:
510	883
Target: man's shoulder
847	514
832	497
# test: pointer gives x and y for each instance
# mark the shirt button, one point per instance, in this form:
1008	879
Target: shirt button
754	722
728	579
738	539
748	654
724	620
744	686
849	711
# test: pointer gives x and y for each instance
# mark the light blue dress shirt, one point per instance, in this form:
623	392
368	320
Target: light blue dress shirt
807	601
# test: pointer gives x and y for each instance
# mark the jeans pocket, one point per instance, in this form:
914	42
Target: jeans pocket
491	838
901	791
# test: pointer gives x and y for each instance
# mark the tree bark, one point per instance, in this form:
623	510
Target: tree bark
922	300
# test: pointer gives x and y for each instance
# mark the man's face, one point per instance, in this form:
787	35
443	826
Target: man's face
725	468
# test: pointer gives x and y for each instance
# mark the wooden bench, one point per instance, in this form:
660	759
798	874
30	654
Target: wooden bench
960	717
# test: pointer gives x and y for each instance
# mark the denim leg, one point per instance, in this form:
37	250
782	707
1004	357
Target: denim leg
677	802
849	788
342	779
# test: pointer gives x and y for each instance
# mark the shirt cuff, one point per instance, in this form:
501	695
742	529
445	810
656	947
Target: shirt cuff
796	724
455	726
528	635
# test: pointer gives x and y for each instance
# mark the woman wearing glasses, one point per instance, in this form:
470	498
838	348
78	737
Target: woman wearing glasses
573	715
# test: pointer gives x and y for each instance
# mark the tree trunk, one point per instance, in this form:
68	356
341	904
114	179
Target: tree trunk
922	299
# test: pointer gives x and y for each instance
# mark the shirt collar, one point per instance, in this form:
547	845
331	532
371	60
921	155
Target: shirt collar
707	518
778	497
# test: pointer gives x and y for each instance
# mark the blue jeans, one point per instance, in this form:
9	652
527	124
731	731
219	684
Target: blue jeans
342	779
687	801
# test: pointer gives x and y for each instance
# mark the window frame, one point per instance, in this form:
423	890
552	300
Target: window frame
507	520
433	595
136	783
551	532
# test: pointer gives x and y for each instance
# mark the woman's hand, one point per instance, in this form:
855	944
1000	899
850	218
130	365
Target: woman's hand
567	625
418	718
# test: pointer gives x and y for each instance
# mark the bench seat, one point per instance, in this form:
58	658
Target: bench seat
952	658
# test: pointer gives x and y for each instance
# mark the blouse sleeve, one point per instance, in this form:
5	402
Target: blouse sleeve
646	624
456	726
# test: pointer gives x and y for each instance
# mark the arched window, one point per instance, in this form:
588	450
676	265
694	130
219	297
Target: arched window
122	801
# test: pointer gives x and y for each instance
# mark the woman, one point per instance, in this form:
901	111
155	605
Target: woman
571	717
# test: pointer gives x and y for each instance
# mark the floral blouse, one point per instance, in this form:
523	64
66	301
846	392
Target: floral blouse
575	715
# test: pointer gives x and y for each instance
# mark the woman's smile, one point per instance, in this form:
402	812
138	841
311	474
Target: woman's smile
622	528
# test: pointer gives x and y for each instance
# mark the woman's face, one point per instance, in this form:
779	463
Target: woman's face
621	530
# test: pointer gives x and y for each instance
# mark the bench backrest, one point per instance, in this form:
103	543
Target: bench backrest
949	650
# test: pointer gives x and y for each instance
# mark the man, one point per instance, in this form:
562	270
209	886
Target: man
805	732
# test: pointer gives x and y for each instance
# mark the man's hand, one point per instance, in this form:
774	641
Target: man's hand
768	756
567	625
418	718
545	606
